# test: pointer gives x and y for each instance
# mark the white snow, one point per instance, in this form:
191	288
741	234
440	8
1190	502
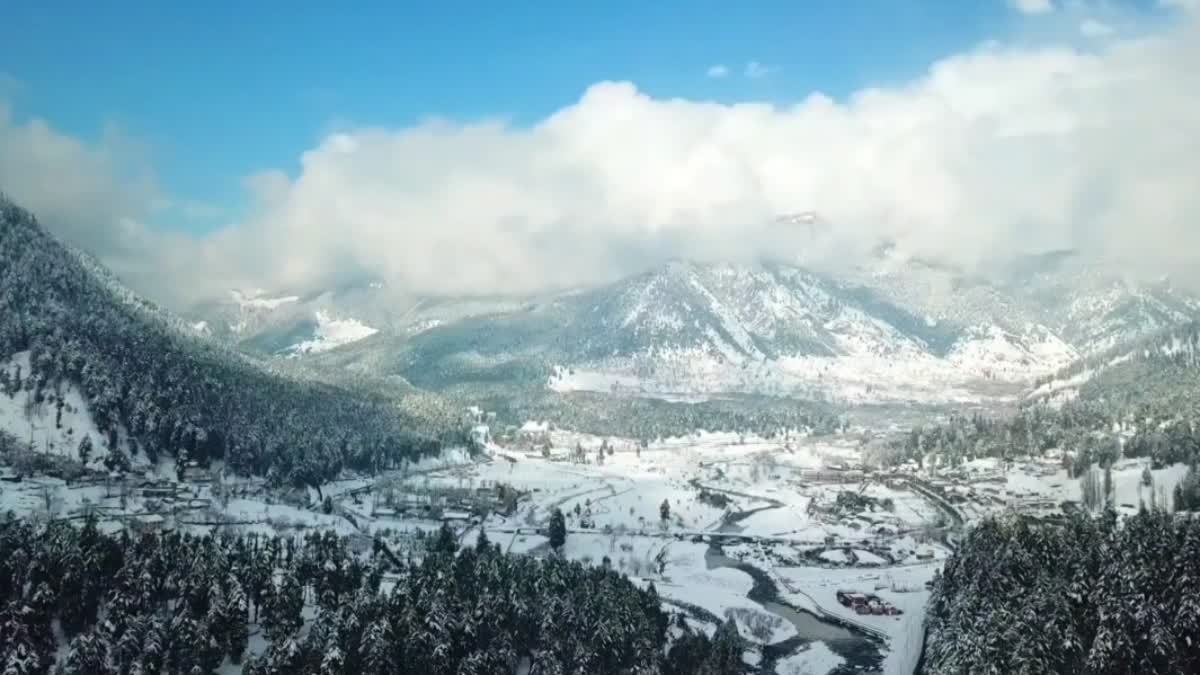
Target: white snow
36	423
332	333
257	299
835	555
992	365
816	659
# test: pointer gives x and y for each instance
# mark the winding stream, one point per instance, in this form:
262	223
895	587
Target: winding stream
861	652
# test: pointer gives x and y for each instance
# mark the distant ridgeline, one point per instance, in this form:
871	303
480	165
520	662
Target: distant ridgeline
152	389
1138	400
1093	597
181	604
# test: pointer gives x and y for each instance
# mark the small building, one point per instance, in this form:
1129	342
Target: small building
851	599
455	516
148	522
158	491
194	473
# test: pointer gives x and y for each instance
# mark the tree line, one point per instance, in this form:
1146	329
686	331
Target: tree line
1092	597
188	605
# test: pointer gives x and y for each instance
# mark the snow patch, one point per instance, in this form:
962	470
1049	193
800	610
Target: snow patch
40	424
818	659
332	333
257	299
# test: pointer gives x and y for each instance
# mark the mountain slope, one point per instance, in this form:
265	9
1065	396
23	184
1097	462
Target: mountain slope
153	390
893	328
689	328
1162	371
1095	308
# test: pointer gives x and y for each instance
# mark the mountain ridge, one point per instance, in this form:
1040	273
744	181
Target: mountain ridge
776	328
152	388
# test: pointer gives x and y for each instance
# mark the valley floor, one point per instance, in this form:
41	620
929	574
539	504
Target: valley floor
764	532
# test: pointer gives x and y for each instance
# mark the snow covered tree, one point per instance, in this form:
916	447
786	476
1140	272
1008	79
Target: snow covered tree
558	529
284	603
446	542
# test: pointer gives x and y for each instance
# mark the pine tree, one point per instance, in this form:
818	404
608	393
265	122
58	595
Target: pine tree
284	603
86	657
482	543
558	529
445	542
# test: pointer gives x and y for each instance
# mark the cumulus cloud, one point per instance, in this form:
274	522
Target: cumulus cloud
1033	6
990	153
718	71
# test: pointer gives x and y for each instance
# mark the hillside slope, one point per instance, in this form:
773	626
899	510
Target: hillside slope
152	390
689	328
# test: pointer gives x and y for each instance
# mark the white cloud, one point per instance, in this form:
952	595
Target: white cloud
992	152
718	71
1032	6
90	192
755	70
1095	29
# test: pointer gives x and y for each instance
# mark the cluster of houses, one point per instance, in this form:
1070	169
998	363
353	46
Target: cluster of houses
866	603
450	504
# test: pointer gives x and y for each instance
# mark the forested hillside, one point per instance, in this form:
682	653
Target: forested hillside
184	605
154	391
1137	400
1093	597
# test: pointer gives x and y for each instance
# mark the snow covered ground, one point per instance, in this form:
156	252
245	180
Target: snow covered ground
43	426
331	333
613	516
987	487
902	587
816	658
974	374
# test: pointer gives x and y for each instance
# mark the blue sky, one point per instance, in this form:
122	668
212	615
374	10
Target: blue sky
220	90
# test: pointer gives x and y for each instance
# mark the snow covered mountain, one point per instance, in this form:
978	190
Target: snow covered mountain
785	330
894	328
690	329
292	324
88	370
1097	308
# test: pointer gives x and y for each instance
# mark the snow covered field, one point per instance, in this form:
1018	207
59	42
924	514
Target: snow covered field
986	486
773	498
976	372
47	428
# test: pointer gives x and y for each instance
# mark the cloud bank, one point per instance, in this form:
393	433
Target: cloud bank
991	153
